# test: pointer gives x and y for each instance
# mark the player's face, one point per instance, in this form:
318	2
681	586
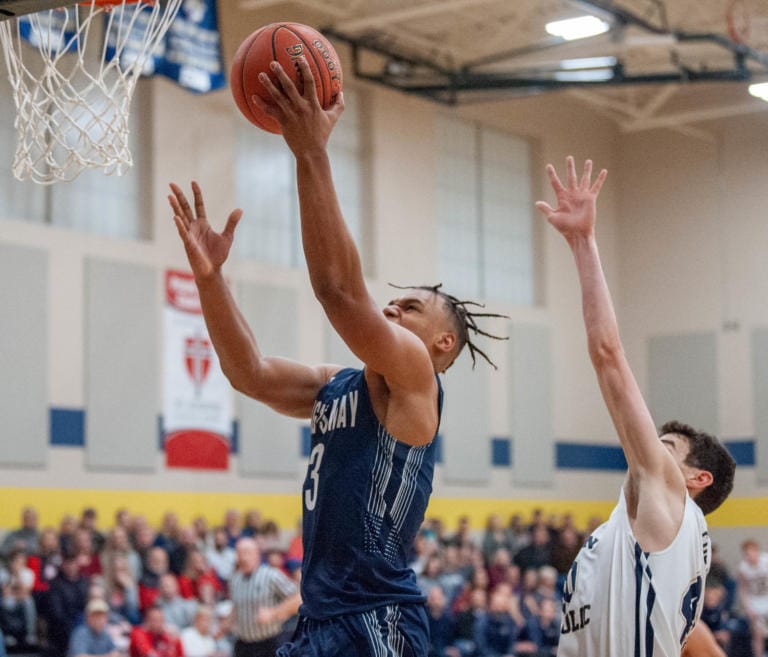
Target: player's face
679	448
419	311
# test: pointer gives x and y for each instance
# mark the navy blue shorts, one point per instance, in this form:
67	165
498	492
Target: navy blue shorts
390	631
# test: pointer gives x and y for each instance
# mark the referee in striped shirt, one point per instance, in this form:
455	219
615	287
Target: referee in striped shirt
263	598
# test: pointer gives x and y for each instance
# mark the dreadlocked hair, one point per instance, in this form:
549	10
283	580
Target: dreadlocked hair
464	319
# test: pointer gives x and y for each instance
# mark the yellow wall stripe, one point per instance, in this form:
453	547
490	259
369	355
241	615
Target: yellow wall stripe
53	503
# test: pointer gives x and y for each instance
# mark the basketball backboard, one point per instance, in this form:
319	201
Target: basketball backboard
11	8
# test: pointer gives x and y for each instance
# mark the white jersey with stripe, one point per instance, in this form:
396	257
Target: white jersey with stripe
619	601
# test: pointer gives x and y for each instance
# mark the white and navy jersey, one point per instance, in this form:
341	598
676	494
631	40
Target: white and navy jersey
619	601
364	499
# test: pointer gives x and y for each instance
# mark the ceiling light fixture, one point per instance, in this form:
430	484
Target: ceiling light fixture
588	75
759	90
587	62
577	28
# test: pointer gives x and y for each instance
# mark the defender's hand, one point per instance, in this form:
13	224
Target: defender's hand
576	202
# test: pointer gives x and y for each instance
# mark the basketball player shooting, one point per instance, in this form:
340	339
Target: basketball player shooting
370	468
636	587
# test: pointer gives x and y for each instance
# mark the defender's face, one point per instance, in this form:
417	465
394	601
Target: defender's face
679	448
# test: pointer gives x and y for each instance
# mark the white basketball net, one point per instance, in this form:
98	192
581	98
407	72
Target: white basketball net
73	94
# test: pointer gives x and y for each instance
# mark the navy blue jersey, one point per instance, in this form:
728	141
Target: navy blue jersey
364	500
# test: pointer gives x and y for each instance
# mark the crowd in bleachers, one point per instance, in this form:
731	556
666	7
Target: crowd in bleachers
141	591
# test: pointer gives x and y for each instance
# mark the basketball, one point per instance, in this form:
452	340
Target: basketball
284	43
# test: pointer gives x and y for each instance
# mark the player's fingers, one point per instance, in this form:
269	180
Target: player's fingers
178	214
310	90
181	199
182	230
599	181
570	165
199	204
545	208
268	108
289	88
232	221
586	176
554	180
338	107
276	94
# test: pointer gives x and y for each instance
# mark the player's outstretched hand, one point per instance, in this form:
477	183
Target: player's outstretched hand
576	202
206	249
306	125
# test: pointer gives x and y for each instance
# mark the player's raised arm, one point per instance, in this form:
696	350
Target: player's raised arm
332	257
286	386
574	217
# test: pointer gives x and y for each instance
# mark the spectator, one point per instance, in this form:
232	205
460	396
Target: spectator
497	569
196	572
152	639
232	526
453	577
518	533
544	629
24	538
67	597
538	553
88	520
221	556
18	606
466	621
186	542
82	545
198	640
431	575
718	570
731	632
270	540
118	544
92	637
149	584
478	580
202	536
168	536
121	590
497	631
462	536
495	538
440	622
67	529
123	520
178	612
565	549
253	525
46	561
144	542
753	588
295	553
263	598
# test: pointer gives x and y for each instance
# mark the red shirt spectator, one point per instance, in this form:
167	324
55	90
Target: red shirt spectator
152	639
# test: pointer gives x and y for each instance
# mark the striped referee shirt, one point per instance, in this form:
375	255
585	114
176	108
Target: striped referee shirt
264	587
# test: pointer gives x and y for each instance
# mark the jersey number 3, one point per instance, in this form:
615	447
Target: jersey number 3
315	459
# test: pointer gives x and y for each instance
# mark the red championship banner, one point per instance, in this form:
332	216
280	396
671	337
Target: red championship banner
197	398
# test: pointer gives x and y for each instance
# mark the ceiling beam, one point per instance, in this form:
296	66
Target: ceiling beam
634	113
409	13
694	116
